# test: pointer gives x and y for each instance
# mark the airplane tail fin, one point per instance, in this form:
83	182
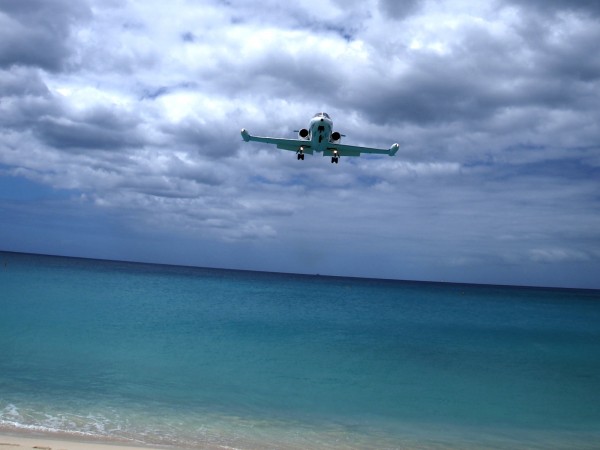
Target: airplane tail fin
393	149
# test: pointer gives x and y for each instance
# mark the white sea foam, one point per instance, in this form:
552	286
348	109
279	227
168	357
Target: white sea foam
12	425
10	410
180	430
13	417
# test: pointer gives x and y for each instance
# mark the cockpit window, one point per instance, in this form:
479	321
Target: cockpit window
324	114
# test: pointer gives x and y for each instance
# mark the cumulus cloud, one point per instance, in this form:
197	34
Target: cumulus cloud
135	108
37	32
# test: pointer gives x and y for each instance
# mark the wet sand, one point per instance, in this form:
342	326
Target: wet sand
18	442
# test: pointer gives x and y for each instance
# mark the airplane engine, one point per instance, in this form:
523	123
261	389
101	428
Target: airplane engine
303	133
335	136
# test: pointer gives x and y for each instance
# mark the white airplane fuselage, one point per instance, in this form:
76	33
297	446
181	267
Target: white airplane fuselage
320	129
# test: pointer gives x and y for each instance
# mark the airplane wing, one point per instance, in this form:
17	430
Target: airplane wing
341	149
353	150
284	144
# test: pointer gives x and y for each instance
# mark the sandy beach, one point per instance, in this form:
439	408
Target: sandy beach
19	441
10	442
43	442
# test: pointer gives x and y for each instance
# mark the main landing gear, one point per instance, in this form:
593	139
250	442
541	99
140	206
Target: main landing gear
335	158
300	154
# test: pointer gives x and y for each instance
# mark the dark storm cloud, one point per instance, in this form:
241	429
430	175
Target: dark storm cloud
211	138
420	97
553	6
36	32
28	105
293	76
400	9
21	82
25	98
97	128
484	75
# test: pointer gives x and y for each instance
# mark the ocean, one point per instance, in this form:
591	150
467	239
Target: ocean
193	358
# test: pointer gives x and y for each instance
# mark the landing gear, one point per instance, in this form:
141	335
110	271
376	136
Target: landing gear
335	159
300	156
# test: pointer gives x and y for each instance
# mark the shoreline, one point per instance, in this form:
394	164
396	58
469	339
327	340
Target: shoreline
18	441
440	440
13	441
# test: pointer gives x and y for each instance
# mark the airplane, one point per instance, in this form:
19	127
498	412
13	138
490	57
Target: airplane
319	137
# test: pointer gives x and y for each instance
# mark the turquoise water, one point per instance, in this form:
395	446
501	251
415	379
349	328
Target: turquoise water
190	357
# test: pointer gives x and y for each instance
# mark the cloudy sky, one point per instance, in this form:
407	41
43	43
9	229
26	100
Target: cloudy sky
120	120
